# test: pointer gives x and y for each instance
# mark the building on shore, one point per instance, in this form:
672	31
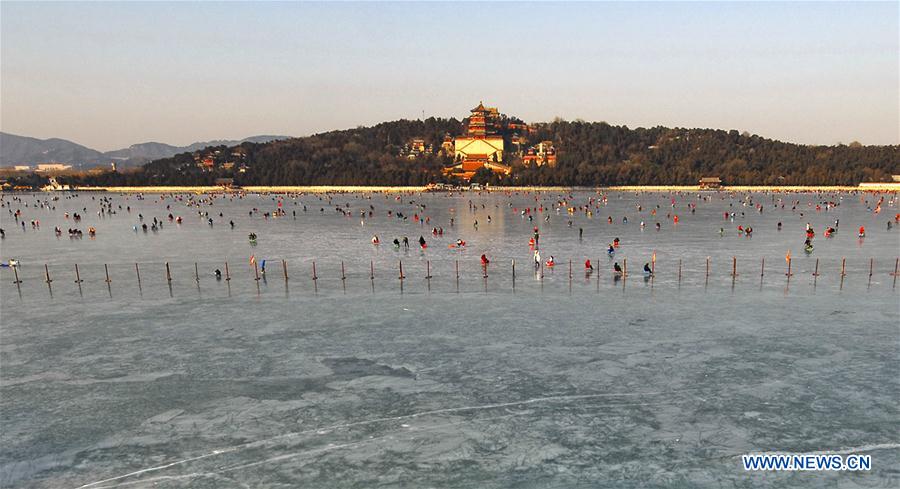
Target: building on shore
225	182
710	183
54	186
481	146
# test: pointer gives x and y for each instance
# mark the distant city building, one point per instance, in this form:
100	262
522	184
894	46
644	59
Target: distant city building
22	168
48	167
895	178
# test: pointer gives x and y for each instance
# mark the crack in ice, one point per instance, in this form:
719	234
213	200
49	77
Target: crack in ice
247	445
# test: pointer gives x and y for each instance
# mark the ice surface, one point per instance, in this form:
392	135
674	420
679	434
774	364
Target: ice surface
345	384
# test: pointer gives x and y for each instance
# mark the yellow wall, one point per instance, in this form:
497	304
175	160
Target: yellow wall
489	146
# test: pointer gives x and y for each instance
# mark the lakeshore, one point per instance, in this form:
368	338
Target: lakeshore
166	189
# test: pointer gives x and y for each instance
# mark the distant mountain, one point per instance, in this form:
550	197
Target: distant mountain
22	150
138	154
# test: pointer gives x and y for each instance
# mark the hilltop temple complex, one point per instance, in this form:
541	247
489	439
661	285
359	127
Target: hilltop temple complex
490	140
482	145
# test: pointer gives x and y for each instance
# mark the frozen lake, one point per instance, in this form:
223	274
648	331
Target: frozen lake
541	381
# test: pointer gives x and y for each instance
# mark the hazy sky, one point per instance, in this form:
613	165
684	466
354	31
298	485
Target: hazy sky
108	75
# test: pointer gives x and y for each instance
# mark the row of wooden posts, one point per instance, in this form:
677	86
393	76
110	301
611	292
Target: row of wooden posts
484	268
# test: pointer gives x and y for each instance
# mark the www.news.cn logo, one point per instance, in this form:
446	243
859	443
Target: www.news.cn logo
807	462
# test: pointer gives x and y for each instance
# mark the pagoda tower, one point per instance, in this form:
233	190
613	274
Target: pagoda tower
478	122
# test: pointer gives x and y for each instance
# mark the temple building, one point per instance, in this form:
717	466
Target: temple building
542	154
447	145
481	146
415	148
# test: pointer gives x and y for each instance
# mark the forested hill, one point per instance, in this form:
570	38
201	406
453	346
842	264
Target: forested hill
588	154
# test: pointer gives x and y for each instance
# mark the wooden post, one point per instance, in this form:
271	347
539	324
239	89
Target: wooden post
284	269
871	266
196	272
137	271
570	270
256	270
314	276
788	274
343	275
401	270
47	273
762	267
707	268
77	275
734	266
372	270
168	273
624	267
457	269
843	266
896	267
816	272
227	275
843	262
16	272
428	269
679	270
514	268
106	270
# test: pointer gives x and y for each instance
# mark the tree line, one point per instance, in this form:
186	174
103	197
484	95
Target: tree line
589	154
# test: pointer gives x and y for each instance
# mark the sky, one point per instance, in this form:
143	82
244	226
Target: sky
108	75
